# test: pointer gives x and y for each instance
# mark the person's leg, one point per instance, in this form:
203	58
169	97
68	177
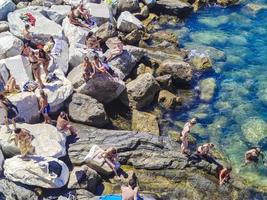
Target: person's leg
45	65
11	85
7	125
38	77
14	123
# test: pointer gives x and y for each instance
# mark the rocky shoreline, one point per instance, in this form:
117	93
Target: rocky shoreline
152	76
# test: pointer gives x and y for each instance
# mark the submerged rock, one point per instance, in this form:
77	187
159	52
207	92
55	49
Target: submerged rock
145	122
48	141
88	110
34	172
168	100
207	88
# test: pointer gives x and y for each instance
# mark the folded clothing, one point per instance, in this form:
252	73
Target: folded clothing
28	17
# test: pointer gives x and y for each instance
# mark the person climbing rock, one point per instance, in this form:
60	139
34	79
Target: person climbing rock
111	157
185	133
224	175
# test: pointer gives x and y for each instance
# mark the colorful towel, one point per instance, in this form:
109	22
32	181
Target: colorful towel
28	17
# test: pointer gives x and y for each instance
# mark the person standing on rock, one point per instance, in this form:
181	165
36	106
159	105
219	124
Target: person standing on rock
44	59
10	112
63	124
185	133
252	156
44	107
36	69
27	37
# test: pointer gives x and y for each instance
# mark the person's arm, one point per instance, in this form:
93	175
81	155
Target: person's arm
136	193
94	70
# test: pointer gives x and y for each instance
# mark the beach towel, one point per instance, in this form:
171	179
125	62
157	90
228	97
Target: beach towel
111	197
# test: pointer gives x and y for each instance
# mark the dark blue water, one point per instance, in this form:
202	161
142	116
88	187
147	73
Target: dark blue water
236	118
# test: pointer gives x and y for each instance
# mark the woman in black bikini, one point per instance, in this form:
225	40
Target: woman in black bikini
36	69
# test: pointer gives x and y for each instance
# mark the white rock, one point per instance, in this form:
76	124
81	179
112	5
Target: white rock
127	22
48	141
9	45
6	6
30	172
2	160
60	56
27	104
74	34
43	29
58	12
100	13
19	68
4	26
57	91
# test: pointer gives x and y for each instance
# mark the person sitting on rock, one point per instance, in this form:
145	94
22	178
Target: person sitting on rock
49	45
224	175
83	14
10	112
63	124
111	157
205	149
130	192
36	69
252	156
98	64
116	50
89	69
44	59
27	36
92	42
185	133
74	20
44	107
23	140
26	49
11	85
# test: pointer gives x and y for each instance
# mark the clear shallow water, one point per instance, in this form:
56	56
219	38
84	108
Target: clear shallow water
236	118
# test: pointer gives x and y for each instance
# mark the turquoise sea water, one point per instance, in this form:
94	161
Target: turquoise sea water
236	118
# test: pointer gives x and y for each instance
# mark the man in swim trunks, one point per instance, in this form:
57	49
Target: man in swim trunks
252	156
44	107
185	133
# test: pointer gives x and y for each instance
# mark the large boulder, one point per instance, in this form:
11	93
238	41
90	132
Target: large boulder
207	89
6	6
11	190
74	34
57	91
85	109
180	71
58	12
127	22
130	5
9	45
254	130
141	150
141	91
84	178
168	100
106	31
102	86
19	67
40	31
145	122
30	172
177	8
47	141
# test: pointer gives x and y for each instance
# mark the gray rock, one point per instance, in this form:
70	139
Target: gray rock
128	22
58	12
40	30
2	160
176	8
141	91
48	141
6	6
106	31
11	190
4	26
84	178
9	45
141	150
180	71
31	173
88	110
130	5
102	87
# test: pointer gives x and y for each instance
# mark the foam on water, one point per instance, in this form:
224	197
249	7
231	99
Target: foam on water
236	119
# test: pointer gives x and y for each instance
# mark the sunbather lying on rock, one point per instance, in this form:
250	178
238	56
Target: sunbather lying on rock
36	68
130	192
10	112
83	14
23	140
75	20
111	157
89	69
63	123
116	50
44	107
